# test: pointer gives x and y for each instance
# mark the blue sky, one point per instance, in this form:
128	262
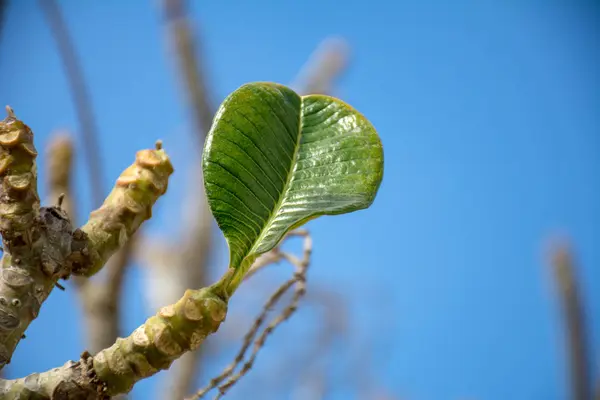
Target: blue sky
488	111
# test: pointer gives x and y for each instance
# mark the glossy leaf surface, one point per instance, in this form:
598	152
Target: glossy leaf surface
273	160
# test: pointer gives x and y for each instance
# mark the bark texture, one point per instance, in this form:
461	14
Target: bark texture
40	246
152	347
36	241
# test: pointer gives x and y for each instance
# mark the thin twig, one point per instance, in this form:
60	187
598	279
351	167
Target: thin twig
575	326
81	97
264	260
274	256
299	280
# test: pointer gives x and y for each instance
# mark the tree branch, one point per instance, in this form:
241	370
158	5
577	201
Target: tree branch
39	244
74	380
40	248
152	347
126	207
226	379
19	200
192	73
570	297
323	67
36	241
79	91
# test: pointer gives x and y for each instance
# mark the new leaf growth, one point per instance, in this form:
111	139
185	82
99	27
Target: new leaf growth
273	160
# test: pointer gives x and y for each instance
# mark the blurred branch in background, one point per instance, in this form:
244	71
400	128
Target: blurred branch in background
574	319
193	75
100	297
3	7
81	98
185	262
229	377
324	66
59	155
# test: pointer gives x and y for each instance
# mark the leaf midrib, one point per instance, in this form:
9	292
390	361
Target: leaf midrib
286	185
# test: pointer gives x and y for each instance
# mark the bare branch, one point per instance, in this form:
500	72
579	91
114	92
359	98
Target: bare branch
127	206
192	73
152	347
299	280
19	197
79	91
324	66
36	242
575	326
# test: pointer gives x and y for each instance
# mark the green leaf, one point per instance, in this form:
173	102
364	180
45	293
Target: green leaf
274	160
